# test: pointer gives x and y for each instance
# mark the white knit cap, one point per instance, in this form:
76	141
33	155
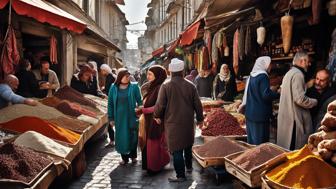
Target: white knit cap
176	65
106	68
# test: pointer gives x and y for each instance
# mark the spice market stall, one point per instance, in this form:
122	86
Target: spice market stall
55	130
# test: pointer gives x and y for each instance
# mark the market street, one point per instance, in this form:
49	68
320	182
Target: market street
104	171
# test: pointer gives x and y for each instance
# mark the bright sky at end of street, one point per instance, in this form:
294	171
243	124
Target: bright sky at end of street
136	11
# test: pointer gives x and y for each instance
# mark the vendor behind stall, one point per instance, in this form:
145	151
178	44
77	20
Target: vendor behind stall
204	82
47	80
224	85
321	91
28	85
7	95
83	82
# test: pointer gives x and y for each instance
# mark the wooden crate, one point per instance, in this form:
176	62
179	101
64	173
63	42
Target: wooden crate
213	161
232	137
269	184
207	162
251	178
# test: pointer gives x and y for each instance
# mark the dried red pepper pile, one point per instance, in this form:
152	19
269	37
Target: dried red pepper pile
219	122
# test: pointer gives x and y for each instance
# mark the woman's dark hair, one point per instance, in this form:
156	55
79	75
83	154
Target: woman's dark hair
23	64
84	68
121	73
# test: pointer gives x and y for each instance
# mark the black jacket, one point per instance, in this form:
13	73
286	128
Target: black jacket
86	88
28	85
108	83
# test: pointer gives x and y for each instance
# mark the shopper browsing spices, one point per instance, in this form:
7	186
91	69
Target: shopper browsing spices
110	78
123	98
155	153
204	82
258	98
224	85
177	103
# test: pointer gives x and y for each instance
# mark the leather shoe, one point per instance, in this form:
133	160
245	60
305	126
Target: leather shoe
177	179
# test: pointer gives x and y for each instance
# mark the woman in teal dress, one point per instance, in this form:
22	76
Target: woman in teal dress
123	99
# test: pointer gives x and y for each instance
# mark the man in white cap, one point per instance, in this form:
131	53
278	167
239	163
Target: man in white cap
177	103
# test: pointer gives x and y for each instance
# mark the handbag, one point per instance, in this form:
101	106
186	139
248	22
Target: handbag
142	132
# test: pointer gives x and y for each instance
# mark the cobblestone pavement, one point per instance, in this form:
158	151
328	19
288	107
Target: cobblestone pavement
104	171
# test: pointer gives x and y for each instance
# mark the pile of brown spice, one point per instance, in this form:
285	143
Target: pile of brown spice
19	163
255	157
68	93
219	147
51	101
71	124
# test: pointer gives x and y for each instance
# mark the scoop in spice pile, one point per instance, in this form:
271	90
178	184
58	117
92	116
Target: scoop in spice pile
219	122
218	147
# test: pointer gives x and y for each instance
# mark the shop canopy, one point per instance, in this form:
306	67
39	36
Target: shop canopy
46	12
158	51
190	34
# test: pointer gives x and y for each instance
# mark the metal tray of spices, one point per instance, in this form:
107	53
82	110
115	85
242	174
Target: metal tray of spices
213	161
12	182
251	178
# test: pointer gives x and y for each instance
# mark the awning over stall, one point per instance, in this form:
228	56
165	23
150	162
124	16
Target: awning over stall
190	34
46	12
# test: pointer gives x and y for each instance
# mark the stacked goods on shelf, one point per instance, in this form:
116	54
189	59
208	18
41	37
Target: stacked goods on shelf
44	127
302	169
219	122
21	164
41	143
218	147
323	143
68	93
254	157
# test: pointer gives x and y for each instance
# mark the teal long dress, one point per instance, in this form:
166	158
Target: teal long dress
121	105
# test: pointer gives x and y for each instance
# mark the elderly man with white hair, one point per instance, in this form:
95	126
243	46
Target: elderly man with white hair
258	97
294	120
176	105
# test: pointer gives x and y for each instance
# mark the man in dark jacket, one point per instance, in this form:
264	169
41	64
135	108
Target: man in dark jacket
177	102
322	92
204	83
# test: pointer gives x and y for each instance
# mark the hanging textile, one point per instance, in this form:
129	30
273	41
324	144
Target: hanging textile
196	61
219	41
10	55
206	62
53	50
332	57
248	41
200	59
241	43
207	40
235	52
224	44
214	50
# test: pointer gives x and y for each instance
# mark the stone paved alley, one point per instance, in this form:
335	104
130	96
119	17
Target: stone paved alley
104	171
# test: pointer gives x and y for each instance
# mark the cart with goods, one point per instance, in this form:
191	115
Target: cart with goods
248	165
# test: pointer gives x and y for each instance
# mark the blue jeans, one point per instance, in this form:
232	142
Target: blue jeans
180	161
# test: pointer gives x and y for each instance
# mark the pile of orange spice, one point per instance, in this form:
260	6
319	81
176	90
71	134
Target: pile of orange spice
51	130
303	169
